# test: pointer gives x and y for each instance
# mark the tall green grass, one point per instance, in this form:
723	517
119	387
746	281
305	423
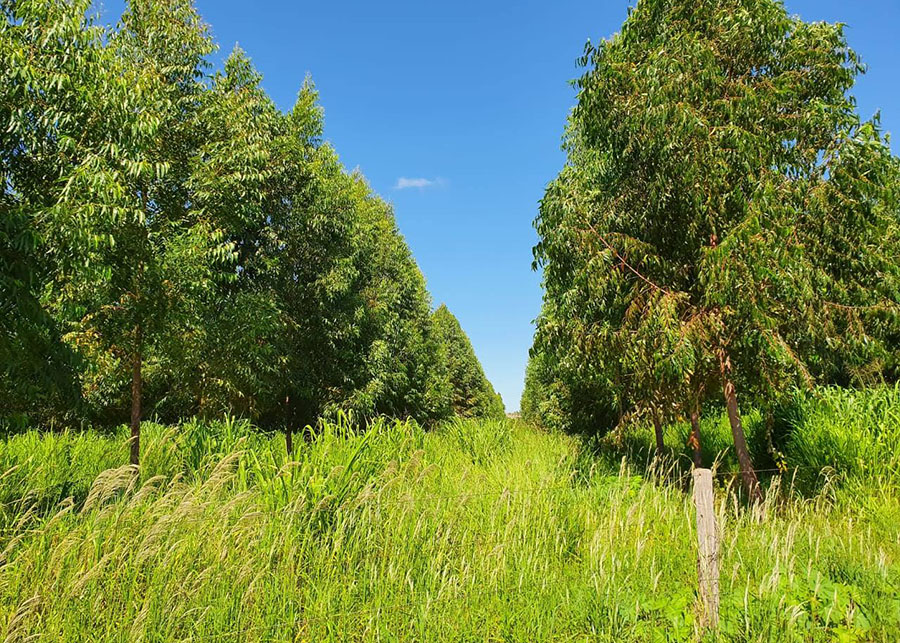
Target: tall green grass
849	435
475	531
830	437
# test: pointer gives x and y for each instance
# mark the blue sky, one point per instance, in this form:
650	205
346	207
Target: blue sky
454	111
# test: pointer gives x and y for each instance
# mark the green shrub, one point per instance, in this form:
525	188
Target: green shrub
853	435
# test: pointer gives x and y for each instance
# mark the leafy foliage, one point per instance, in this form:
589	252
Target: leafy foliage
472	393
174	243
725	221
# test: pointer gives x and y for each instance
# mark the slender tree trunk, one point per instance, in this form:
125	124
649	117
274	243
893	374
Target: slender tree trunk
658	429
136	385
288	426
694	440
137	357
748	475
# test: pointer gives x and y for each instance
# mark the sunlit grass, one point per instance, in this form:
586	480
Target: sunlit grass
476	531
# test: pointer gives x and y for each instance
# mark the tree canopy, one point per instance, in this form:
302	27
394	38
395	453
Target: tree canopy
173	244
471	393
725	221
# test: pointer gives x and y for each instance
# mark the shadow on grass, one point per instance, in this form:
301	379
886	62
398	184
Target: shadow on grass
830	435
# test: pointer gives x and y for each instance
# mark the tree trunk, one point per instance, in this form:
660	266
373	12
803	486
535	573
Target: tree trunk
136	381
136	403
694	440
748	475
289	426
658	429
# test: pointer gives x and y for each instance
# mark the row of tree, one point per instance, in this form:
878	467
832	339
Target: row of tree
171	242
725	224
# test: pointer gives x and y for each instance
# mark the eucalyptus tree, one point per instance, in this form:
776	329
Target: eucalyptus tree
330	310
52	56
228	353
401	371
357	334
472	393
722	192
311	269
36	369
193	244
129	250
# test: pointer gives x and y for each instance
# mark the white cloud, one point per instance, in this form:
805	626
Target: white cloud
420	183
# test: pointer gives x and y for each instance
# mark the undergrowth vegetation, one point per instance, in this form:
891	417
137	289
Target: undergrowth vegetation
479	530
828	436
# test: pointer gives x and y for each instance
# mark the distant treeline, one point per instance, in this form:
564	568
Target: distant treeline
173	244
726	228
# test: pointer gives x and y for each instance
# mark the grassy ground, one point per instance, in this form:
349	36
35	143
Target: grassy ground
476	531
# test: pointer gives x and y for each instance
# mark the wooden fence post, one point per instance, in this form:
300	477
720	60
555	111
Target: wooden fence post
708	537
